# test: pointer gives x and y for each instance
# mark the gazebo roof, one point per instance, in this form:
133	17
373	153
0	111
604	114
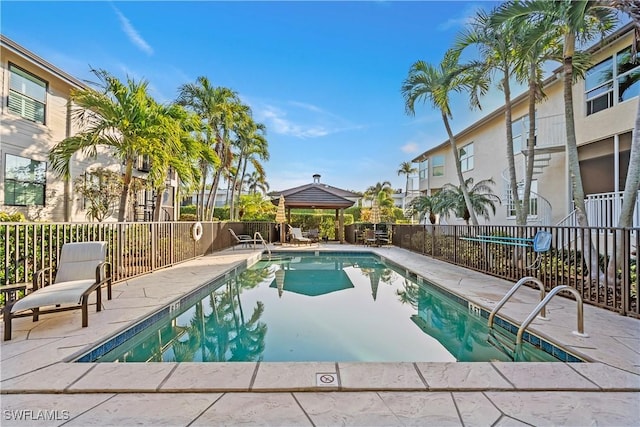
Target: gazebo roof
316	196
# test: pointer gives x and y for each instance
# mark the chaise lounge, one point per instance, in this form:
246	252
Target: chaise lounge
82	269
242	239
297	237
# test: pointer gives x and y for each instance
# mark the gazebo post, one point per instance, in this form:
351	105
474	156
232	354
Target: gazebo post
341	226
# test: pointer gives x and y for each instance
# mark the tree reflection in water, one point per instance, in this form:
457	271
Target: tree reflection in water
218	330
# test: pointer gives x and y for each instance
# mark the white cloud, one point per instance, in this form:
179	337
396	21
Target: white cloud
465	17
298	119
277	121
133	34
410	147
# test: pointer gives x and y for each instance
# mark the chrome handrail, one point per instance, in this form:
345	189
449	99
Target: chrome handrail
543	303
513	291
257	235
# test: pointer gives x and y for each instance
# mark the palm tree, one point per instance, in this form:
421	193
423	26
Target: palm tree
496	43
451	199
407	169
374	191
215	107
426	206
576	22
427	82
120	116
253	147
179	152
256	181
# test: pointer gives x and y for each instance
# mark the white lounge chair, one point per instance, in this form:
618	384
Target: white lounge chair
82	269
242	239
297	237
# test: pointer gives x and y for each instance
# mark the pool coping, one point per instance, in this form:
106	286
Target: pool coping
53	374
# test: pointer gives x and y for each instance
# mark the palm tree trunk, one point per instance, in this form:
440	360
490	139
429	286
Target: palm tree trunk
574	163
158	205
234	181
126	183
213	192
631	188
513	179
530	144
456	157
200	204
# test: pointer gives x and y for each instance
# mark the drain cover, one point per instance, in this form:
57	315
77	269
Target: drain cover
326	379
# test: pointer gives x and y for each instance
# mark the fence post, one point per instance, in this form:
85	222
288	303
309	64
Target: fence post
154	244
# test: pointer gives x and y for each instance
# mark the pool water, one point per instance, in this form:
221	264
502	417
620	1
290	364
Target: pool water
342	307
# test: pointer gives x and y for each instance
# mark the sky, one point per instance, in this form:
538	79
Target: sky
323	77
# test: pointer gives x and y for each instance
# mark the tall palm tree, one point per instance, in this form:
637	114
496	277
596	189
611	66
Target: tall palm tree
121	116
429	83
255	181
496	42
483	201
407	169
214	106
178	152
253	147
576	22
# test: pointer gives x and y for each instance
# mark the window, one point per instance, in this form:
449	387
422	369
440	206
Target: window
617	78
598	83
437	165
423	169
628	81
27	95
533	200
466	157
520	133
24	181
144	163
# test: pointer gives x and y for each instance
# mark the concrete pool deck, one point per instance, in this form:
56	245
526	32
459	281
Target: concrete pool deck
39	386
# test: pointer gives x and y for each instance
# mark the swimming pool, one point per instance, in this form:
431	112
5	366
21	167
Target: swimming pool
315	307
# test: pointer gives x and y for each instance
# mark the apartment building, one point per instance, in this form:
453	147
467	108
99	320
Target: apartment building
35	115
605	109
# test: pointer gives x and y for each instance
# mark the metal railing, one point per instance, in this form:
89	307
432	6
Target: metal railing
603	209
134	248
614	289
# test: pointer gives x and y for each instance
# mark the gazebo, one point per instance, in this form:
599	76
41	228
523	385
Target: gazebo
318	196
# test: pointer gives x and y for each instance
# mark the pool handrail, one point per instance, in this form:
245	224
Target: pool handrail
540	307
513	291
257	236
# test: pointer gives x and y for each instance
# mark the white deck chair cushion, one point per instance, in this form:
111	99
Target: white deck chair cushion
79	261
62	293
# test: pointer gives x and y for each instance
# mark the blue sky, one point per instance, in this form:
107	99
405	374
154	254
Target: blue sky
324	77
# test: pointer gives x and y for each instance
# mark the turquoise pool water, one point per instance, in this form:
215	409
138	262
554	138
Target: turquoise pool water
314	307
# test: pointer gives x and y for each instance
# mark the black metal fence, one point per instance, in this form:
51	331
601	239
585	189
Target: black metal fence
140	248
134	248
565	263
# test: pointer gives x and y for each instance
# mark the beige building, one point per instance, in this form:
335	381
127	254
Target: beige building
36	115
605	108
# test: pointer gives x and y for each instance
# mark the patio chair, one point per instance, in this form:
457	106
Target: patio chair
297	237
370	238
82	269
242	239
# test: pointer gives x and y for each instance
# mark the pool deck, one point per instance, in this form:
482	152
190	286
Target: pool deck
39	386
